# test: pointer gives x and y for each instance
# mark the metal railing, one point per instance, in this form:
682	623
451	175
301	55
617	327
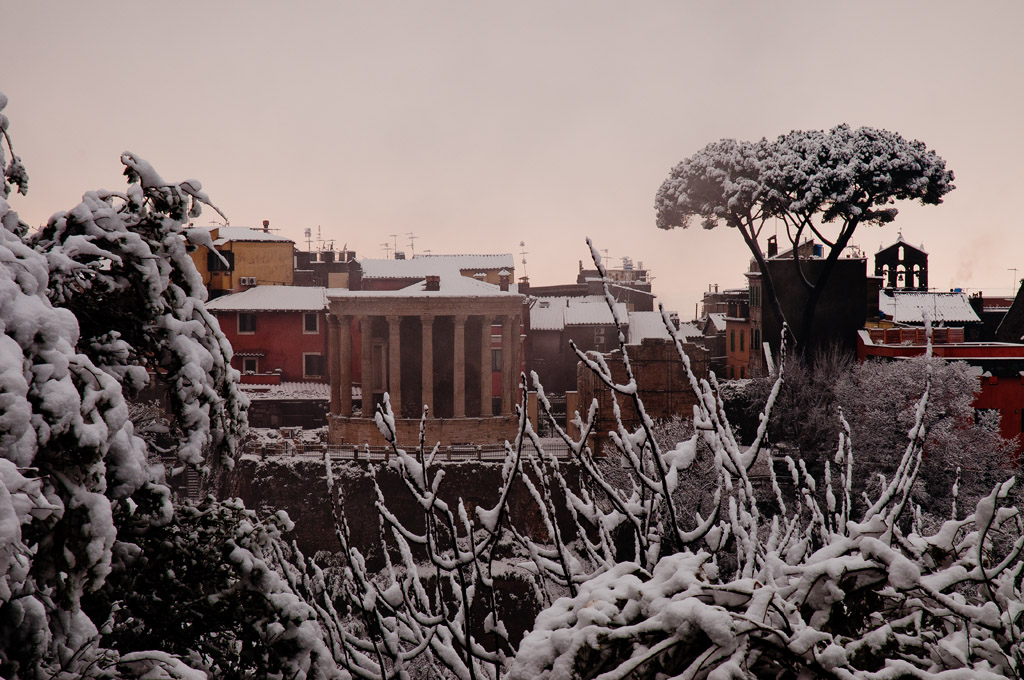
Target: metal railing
451	452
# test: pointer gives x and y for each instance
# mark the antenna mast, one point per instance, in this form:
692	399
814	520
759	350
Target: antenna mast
412	243
522	251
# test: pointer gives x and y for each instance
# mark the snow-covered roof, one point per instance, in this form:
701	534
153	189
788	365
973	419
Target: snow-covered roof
272	299
555	313
594	313
646	325
288	391
451	285
910	306
689	330
421	266
717	320
226	234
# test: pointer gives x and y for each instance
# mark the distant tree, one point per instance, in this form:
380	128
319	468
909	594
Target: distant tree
808	180
879	401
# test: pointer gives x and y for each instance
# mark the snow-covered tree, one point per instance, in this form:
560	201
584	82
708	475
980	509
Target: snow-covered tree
89	539
120	261
809	180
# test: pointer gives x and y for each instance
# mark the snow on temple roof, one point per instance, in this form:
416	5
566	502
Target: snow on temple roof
423	265
272	299
288	391
451	285
226	234
910	306
555	313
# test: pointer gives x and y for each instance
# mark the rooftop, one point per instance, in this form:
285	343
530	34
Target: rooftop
910	306
451	284
555	313
227	234
289	391
272	299
644	325
421	266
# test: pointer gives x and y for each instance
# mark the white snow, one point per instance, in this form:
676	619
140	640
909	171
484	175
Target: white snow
910	307
272	299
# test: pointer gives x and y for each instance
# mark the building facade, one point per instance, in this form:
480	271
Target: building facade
449	343
244	258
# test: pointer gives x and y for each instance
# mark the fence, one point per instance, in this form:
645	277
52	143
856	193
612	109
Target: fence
452	452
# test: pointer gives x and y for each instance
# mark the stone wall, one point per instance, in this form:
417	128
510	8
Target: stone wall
298	485
359	431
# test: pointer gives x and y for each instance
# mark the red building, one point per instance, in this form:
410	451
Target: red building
1000	365
276	331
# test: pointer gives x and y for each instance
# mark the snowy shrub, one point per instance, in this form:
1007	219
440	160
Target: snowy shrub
640	586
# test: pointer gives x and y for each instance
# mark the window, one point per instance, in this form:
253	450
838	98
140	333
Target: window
246	323
312	365
215	264
732	341
310	322
250	365
741	341
496	361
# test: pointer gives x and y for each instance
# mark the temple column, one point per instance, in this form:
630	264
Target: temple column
427	383
485	368
394	365
334	363
366	363
460	366
343	355
507	372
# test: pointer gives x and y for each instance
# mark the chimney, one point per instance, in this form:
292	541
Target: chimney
773	246
266	226
503	279
433	282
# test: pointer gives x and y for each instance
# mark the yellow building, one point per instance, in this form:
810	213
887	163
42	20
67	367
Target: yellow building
248	257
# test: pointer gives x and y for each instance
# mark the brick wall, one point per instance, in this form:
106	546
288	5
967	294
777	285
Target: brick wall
663	384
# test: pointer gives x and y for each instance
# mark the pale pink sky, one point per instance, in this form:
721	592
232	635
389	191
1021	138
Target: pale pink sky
478	125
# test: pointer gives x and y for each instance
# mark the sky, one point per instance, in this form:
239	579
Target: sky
476	126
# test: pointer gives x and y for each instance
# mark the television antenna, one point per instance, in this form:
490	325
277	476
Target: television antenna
309	239
394	247
387	250
412	243
522	251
